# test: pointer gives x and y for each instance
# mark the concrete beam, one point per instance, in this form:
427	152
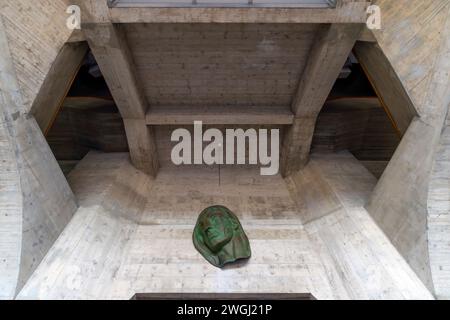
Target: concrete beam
232	115
109	46
327	57
142	145
348	13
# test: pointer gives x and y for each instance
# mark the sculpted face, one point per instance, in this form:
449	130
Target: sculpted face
217	230
219	237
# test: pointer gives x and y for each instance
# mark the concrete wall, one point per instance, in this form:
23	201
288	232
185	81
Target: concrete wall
78	130
359	125
38	30
10	216
415	40
439	216
31	35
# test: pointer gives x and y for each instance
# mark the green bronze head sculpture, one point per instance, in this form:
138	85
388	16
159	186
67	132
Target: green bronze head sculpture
219	237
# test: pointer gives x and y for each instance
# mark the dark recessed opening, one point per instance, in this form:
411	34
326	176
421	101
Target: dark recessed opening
354	119
87	120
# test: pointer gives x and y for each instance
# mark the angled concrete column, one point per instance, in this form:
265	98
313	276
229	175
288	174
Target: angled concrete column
43	202
109	46
399	203
57	84
326	60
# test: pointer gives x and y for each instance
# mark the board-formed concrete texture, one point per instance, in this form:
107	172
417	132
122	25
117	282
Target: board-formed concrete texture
37	187
399	202
439	216
134	234
121	223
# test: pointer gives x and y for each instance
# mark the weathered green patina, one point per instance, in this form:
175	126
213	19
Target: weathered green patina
219	237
